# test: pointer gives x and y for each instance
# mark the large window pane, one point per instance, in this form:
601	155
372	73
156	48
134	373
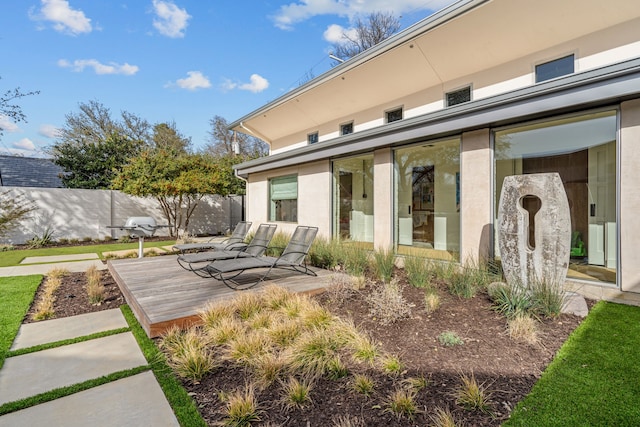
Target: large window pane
283	199
353	198
583	151
427	203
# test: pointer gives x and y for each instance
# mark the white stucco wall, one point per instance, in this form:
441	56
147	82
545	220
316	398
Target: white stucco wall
629	196
79	214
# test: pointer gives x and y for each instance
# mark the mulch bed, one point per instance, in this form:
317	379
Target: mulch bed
508	369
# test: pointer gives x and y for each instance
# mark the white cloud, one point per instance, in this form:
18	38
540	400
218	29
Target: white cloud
49	131
24	144
64	18
111	68
300	11
6	125
195	80
333	34
256	84
170	20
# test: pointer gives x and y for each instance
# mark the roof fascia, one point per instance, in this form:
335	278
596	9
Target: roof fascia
590	88
442	16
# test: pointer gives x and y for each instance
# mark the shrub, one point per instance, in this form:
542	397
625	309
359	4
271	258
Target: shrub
384	261
449	339
511	301
418	271
44	238
387	304
340	288
472	395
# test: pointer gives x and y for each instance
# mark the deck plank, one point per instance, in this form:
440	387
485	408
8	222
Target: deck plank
162	294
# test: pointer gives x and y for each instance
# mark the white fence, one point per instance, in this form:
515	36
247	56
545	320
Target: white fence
80	214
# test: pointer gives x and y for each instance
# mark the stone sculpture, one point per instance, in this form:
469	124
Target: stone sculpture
546	256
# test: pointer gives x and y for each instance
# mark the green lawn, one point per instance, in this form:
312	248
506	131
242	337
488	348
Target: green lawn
16	294
11	258
594	379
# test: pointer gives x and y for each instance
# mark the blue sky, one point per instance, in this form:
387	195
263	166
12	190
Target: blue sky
182	61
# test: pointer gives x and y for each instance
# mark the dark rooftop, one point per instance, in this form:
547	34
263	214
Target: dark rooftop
18	171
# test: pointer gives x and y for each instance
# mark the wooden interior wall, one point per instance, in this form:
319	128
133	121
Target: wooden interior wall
574	172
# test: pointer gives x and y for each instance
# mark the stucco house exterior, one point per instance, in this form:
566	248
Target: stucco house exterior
407	144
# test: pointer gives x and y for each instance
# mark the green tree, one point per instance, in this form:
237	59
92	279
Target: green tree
94	165
12	210
177	180
166	135
92	146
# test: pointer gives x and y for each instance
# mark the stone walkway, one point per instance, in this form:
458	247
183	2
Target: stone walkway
137	400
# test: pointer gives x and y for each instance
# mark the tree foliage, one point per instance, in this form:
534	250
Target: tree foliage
222	141
177	180
12	210
366	33
11	110
166	136
92	146
93	165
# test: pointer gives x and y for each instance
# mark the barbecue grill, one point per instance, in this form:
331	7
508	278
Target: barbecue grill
140	227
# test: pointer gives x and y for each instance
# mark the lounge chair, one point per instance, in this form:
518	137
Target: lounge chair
235	241
198	262
292	258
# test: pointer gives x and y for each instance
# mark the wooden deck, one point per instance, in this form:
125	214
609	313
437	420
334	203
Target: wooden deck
162	294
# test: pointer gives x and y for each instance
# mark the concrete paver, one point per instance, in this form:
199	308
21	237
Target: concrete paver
132	401
34	373
59	258
48	331
27	270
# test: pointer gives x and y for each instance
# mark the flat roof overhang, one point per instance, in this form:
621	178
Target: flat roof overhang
599	87
467	37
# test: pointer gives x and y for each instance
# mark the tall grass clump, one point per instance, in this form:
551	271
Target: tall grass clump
326	253
356	259
418	271
472	395
189	355
469	279
241	409
384	261
547	296
443	418
278	243
296	393
44	308
402	402
95	288
523	328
